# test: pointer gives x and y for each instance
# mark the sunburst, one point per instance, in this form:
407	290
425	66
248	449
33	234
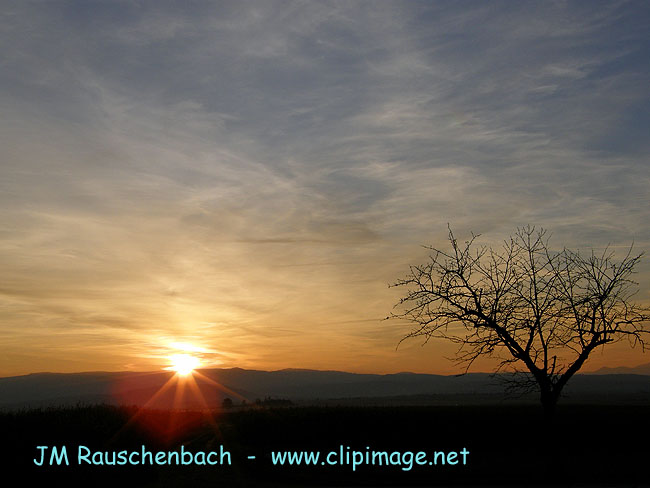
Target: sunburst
184	364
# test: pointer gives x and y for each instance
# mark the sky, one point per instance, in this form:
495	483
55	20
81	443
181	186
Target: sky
242	180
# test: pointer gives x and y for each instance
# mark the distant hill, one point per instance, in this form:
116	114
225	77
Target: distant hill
640	369
210	387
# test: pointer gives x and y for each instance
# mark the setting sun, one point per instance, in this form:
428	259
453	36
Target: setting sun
183	364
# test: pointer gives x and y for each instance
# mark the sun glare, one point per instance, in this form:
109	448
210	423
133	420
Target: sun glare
183	364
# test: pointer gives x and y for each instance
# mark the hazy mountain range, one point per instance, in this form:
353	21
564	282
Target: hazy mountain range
211	386
640	369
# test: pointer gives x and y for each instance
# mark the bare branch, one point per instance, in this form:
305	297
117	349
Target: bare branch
541	313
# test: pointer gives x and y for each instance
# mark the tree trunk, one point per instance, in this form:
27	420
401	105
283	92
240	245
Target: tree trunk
549	401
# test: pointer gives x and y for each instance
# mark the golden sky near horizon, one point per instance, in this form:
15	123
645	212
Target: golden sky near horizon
243	180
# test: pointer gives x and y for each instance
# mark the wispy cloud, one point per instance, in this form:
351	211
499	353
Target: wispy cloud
267	167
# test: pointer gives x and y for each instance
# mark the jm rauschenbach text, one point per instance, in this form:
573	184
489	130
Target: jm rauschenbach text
342	456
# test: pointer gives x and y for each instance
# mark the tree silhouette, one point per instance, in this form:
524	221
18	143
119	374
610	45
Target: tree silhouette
540	312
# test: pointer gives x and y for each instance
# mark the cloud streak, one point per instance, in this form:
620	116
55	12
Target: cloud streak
267	167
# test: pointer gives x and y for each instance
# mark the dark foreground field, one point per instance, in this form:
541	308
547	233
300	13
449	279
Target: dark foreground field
586	445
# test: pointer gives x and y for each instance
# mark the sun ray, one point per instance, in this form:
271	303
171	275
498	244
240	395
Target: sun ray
219	385
140	410
187	394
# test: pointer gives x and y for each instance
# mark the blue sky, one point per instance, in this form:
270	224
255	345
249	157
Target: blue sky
249	176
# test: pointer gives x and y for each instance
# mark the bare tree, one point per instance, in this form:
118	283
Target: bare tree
540	312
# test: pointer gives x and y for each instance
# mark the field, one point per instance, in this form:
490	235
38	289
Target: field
585	445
